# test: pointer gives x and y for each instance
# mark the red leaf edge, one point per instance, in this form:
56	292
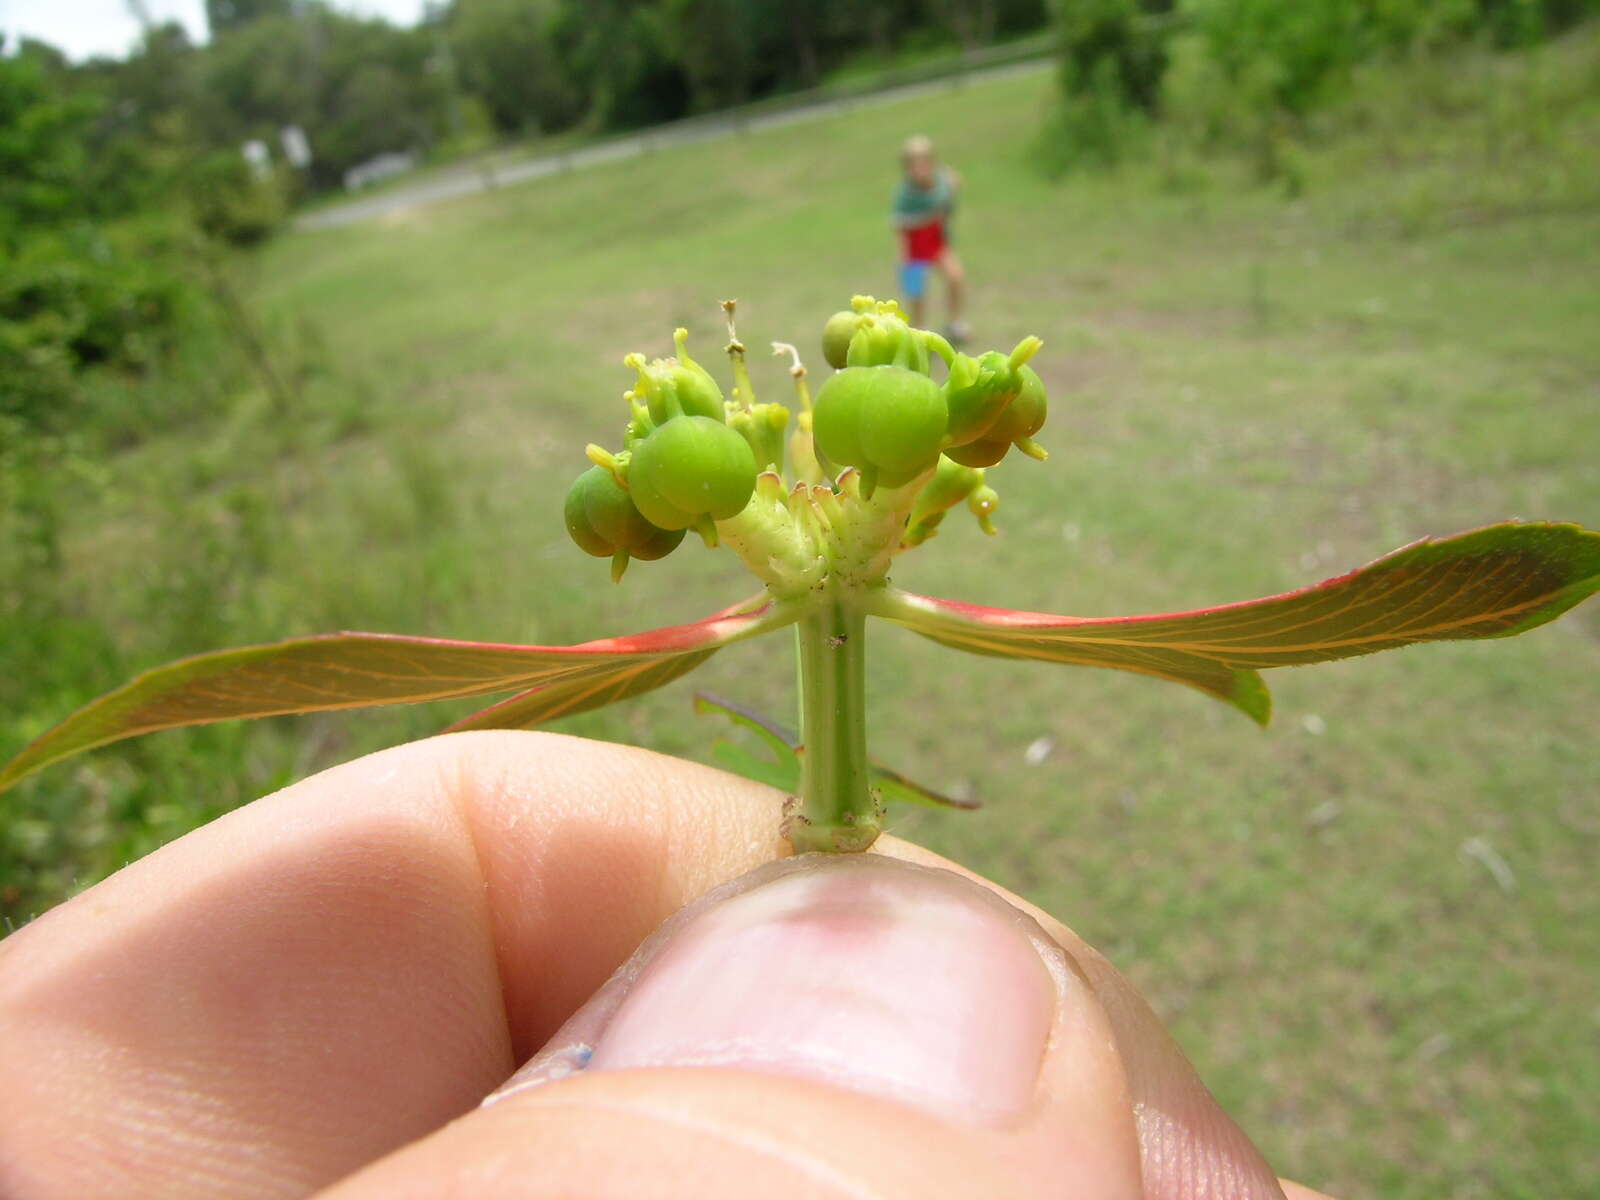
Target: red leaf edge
1562	559
116	715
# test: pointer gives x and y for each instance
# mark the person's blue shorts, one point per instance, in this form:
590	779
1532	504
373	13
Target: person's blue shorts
914	279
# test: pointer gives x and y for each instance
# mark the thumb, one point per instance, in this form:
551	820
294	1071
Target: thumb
825	1026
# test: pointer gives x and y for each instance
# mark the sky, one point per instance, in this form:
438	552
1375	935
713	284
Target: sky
84	28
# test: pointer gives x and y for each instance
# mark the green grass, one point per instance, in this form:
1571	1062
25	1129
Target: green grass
1250	393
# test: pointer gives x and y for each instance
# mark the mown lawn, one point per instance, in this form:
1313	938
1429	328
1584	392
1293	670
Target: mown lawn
1250	391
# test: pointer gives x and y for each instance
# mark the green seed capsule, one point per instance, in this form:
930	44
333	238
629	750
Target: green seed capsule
678	386
689	470
836	335
1022	418
873	333
888	422
884	339
602	519
977	392
984	502
1025	415
982	453
951	484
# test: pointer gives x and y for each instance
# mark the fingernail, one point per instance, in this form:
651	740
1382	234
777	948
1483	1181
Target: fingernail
860	971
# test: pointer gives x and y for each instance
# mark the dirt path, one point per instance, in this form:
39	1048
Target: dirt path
472	179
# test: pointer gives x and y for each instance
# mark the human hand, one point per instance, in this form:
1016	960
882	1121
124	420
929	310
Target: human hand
317	990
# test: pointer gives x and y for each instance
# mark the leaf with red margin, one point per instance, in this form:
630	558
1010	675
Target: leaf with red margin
1491	582
352	670
580	693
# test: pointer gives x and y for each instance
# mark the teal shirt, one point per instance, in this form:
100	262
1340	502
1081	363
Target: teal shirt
915	205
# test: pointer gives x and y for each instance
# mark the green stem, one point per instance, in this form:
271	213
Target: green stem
837	810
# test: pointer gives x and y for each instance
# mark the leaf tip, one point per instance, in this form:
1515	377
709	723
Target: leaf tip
1251	696
9	777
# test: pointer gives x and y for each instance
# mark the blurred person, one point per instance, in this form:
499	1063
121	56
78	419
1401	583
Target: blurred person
923	206
318	990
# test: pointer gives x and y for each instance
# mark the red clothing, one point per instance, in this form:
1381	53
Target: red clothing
924	243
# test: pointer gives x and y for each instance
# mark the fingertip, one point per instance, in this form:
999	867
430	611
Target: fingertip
1189	1146
827	984
664	1133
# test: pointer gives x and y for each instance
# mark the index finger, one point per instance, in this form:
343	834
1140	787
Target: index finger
336	969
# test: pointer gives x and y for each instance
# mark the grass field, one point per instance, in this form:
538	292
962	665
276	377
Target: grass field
1249	392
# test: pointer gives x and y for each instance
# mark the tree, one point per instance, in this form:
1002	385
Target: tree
621	56
357	87
508	53
721	46
227	16
42	150
145	132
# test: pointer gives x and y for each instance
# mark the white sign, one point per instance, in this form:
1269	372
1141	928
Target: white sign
296	147
258	156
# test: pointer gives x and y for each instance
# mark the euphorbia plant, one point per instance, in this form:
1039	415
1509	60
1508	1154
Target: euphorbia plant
901	433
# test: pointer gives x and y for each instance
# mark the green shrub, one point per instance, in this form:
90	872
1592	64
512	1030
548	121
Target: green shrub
1250	74
1092	126
233	204
79	298
1114	50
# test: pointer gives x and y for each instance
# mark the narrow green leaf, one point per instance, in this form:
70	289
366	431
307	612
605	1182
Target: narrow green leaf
746	763
783	770
1492	582
893	786
780	738
353	670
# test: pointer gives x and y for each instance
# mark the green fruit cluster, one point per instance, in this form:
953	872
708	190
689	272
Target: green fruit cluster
683	468
883	414
691	458
995	403
603	520
873	333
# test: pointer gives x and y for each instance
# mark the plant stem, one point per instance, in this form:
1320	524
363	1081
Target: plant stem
245	329
837	810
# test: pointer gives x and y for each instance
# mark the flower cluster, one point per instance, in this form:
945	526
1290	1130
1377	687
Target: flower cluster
695	460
